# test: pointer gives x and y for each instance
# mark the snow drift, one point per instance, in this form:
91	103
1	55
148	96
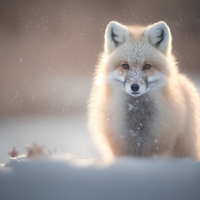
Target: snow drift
50	178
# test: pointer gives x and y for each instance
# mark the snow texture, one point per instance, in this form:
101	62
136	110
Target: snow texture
66	134
50	178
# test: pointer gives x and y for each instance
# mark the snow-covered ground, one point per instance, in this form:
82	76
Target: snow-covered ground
59	178
60	133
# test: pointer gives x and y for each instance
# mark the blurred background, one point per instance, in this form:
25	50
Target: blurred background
48	52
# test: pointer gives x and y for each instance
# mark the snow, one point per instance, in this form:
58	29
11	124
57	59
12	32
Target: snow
65	177
130	107
66	133
156	140
69	177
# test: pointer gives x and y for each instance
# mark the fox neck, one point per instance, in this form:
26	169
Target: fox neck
140	112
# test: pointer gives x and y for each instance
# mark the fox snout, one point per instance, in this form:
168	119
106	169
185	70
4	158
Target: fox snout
135	84
135	88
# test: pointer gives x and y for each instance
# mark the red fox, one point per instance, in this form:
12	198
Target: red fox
140	104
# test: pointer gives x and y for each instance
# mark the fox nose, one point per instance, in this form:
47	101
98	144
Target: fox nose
135	87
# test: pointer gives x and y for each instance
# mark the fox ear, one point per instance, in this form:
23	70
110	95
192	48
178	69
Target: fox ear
159	36
115	35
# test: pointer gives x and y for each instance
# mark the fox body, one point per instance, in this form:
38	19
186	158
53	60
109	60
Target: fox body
140	104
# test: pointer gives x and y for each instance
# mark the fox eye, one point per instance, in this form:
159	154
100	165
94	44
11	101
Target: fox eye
125	66
147	66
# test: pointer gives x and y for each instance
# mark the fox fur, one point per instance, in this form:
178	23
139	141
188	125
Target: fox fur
162	117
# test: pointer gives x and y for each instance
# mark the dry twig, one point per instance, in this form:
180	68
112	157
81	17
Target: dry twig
13	153
35	149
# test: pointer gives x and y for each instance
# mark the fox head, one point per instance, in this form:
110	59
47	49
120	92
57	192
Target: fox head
138	57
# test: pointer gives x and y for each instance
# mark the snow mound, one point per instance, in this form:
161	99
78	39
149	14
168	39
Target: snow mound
59	178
